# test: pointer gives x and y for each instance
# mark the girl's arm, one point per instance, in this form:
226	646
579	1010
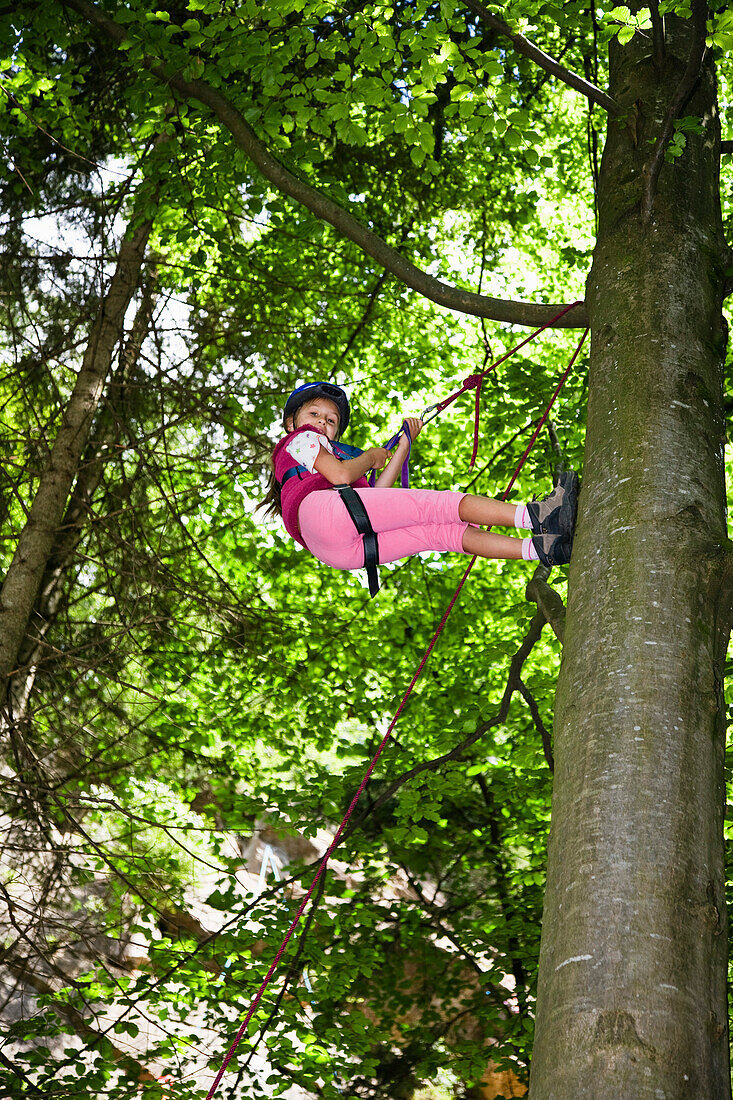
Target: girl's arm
391	471
349	470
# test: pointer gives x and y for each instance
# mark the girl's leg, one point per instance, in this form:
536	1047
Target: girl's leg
487	513
553	515
455	538
410	520
407	521
488	545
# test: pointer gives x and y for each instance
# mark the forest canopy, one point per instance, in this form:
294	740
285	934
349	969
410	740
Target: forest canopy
191	699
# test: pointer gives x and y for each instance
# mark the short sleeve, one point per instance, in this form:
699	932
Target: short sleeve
304	448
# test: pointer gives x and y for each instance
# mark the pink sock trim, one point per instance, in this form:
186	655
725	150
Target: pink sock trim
528	551
521	518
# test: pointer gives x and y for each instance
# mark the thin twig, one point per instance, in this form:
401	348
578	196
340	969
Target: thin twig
537	719
660	50
548	601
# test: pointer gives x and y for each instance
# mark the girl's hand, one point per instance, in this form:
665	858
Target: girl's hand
379	457
414	425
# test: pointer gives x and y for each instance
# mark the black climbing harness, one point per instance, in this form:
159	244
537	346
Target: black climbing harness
358	514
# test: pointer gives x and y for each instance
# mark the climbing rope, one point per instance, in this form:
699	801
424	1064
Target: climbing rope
469	383
474	381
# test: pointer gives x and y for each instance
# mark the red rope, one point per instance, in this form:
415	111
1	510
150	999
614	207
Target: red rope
474	380
545	415
334	843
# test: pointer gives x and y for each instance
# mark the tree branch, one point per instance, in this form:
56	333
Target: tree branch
504	891
94	1038
548	601
464	301
528	49
683	92
534	710
660	50
549	613
294	969
513	681
13	1067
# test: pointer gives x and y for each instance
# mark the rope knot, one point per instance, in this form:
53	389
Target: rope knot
472	381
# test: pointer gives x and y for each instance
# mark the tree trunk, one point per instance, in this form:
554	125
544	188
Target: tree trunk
106	431
632	985
26	571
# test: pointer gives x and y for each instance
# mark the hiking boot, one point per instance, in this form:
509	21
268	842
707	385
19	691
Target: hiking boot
555	515
553	549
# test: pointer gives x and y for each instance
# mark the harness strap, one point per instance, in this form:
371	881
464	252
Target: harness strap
294	471
360	519
362	523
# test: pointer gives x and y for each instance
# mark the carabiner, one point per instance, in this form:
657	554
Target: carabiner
435	409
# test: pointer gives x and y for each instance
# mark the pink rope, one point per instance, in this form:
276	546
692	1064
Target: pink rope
367	775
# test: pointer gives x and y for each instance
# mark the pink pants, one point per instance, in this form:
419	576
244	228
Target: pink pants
406	521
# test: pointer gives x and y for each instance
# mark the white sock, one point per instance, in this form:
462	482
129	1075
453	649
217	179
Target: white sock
528	551
521	518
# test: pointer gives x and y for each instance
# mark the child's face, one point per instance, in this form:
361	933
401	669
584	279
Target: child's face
317	413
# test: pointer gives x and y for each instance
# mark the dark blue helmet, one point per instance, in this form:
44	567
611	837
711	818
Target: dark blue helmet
309	390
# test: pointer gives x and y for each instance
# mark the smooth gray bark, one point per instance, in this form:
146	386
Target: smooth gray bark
632	985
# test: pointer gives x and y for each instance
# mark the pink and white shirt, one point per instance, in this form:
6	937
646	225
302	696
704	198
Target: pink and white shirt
305	446
297	488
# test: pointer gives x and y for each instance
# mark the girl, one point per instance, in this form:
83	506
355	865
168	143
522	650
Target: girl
338	527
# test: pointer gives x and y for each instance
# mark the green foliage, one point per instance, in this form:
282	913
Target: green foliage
678	141
206	683
720	30
626	23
